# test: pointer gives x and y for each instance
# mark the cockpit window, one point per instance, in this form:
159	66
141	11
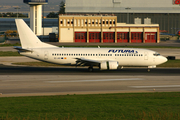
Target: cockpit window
156	54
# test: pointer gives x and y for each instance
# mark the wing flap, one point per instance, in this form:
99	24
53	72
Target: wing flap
87	62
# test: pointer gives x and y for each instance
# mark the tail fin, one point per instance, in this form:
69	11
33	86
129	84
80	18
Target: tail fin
28	38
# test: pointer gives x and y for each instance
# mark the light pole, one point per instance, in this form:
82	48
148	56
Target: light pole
17	10
127	14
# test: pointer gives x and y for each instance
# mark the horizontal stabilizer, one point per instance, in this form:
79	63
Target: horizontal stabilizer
21	49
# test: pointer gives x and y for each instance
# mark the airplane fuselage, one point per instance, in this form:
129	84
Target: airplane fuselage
123	56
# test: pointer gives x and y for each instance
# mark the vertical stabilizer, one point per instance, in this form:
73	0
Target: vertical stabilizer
28	38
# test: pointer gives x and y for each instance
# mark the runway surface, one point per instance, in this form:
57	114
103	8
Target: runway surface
32	81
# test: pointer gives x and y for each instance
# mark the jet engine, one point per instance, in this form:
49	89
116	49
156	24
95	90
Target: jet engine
109	65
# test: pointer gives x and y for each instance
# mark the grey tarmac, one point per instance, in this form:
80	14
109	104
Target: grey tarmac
36	81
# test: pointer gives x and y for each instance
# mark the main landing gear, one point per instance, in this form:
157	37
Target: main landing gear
90	69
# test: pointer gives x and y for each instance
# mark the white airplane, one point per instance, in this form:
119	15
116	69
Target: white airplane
104	58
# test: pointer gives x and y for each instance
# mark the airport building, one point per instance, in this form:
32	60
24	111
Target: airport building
162	12
104	29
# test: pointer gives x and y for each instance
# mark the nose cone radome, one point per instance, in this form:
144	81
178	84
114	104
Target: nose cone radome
163	59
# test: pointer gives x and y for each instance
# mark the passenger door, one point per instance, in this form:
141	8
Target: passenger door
46	55
145	55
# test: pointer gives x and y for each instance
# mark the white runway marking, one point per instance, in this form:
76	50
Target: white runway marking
162	86
101	80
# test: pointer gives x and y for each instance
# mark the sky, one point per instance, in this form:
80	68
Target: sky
9	5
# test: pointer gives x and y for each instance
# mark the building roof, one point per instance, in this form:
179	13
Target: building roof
121	6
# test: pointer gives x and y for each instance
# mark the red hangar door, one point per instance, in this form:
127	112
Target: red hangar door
122	37
94	37
150	37
136	37
108	37
80	36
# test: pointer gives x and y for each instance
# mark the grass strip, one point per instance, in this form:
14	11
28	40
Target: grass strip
104	46
169	63
9	45
8	53
130	106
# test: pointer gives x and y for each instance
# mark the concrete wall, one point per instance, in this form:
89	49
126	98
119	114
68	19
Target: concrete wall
66	35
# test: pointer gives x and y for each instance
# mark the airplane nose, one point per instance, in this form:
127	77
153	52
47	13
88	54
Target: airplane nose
164	59
161	60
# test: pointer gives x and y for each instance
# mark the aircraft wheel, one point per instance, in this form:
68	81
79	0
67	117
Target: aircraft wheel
90	69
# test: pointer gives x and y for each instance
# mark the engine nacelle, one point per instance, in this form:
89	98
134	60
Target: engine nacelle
109	65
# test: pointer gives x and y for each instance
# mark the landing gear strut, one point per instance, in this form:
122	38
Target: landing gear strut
90	69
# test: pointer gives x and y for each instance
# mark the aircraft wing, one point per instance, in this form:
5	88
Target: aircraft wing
87	62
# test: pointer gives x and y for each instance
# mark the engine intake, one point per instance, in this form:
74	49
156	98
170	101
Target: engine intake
109	65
